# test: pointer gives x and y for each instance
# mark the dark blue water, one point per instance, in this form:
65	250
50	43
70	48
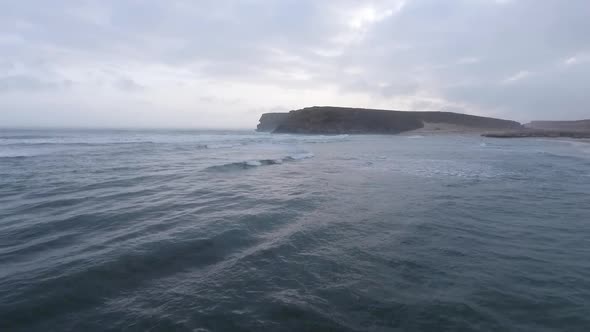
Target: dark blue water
237	231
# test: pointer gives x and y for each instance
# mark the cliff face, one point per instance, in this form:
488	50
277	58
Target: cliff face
270	121
338	120
581	125
331	120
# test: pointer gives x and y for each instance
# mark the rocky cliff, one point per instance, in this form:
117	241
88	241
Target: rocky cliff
340	120
270	121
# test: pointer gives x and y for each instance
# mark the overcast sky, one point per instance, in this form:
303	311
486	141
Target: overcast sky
221	63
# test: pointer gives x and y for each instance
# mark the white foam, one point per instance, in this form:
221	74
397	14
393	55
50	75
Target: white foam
582	146
319	138
253	163
301	156
222	146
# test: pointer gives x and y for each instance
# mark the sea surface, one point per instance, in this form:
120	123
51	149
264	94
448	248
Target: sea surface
170	230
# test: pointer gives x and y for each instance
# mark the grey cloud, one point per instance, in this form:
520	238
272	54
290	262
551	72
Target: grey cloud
128	85
393	87
514	37
6	67
456	52
557	93
219	100
22	83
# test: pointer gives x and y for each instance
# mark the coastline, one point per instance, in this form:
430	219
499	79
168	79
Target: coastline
432	129
532	133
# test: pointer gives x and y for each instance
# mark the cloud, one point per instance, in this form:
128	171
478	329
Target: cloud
521	75
580	58
129	85
22	83
468	60
211	62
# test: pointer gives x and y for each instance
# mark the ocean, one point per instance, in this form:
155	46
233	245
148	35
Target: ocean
188	230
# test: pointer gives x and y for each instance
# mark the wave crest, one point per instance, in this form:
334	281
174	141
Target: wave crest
261	162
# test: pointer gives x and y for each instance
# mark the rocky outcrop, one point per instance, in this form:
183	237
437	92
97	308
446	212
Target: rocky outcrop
270	121
340	120
331	120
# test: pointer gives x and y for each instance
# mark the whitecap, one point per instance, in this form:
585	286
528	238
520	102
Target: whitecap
222	146
300	156
262	162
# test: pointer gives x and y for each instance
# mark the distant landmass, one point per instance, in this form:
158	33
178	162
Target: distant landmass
580	125
539	133
343	120
550	129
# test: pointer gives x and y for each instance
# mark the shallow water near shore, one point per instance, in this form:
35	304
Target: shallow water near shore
170	230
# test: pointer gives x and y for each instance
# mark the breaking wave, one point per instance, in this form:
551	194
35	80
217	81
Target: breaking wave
246	164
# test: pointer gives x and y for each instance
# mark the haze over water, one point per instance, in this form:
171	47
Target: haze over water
239	231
